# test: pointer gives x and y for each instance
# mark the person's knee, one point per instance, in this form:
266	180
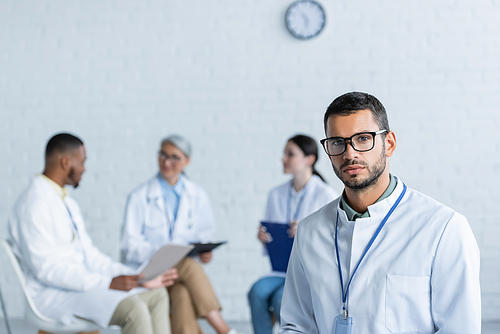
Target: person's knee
179	292
138	314
191	267
256	294
160	296
157	301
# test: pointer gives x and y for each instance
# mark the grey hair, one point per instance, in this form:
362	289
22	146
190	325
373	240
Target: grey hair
180	142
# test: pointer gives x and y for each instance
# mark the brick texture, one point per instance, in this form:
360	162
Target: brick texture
228	76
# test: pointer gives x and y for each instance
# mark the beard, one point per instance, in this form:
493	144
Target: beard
71	176
374	172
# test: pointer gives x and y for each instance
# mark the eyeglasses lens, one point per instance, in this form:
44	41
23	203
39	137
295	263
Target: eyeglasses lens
360	142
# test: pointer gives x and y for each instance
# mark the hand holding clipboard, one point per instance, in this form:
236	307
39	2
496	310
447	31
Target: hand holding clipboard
279	245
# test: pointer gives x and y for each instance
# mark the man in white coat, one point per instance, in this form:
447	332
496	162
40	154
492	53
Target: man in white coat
66	275
382	258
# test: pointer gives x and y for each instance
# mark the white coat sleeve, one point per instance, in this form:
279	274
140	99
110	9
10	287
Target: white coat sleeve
134	246
98	261
297	314
206	219
48	258
456	295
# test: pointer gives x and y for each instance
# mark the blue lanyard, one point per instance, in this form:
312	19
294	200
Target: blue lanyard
170	222
77	235
171	230
289	205
344	295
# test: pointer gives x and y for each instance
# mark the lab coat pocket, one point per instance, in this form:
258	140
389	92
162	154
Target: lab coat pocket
155	228
408	304
155	219
156	234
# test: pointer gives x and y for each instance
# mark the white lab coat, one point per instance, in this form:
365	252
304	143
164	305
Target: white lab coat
420	276
59	279
145	227
317	194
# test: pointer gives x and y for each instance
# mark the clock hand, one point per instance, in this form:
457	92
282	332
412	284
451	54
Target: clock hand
306	20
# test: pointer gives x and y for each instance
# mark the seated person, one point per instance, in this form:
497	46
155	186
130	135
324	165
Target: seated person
66	275
290	202
172	209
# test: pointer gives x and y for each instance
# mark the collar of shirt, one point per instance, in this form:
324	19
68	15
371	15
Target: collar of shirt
61	191
295	193
353	215
167	189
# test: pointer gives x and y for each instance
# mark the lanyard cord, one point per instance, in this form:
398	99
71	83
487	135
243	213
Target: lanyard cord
170	222
77	235
289	206
344	296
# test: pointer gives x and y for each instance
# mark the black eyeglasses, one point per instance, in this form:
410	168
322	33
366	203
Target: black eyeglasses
361	142
164	157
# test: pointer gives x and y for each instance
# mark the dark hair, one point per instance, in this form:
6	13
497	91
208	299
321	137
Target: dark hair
62	142
308	146
352	102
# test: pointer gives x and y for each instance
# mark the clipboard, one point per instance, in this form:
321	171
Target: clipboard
280	248
164	259
203	247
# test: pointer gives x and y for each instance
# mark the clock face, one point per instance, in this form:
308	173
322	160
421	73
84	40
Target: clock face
305	19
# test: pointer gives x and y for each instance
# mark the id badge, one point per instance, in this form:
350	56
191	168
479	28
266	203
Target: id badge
343	326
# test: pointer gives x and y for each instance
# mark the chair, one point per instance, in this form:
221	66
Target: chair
34	317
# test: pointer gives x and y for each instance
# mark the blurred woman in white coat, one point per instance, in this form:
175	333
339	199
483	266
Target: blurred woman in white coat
289	203
171	209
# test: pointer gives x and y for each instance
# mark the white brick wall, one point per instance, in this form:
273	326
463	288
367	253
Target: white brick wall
228	76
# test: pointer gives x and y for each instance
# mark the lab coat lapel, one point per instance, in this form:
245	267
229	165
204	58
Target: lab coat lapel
380	209
184	214
345	243
155	196
365	228
47	189
60	209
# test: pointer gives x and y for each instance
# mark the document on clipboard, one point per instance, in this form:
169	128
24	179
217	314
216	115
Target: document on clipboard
280	248
203	247
164	259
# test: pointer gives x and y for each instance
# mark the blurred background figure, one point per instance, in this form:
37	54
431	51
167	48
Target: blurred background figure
233	80
66	275
172	209
288	203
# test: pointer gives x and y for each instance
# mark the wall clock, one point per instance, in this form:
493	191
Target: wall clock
305	19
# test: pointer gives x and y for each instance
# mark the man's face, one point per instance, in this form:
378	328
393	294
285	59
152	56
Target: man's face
358	170
77	166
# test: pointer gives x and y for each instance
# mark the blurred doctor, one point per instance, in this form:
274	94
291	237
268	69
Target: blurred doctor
172	209
305	193
66	275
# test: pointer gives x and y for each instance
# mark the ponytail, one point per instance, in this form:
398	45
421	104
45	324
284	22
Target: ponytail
308	146
315	172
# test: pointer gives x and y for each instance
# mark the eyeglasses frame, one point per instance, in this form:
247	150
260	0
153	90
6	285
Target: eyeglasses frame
172	158
374	134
